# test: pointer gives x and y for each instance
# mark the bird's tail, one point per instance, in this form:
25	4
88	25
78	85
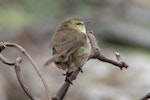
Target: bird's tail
52	59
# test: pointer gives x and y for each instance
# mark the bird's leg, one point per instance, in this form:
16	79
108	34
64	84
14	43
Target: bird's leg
80	69
67	77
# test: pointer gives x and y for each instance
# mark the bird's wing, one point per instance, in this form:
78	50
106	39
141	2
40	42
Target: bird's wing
67	41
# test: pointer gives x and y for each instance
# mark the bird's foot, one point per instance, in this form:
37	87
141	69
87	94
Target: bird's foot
68	80
80	69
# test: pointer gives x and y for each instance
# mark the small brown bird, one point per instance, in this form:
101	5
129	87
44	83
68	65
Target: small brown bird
70	45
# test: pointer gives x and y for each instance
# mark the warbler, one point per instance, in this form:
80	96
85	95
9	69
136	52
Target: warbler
70	45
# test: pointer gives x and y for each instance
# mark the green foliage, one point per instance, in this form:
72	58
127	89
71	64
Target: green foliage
14	17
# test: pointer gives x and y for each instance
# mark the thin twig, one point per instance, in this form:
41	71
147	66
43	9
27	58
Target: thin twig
97	53
2	46
8	44
17	68
6	61
18	71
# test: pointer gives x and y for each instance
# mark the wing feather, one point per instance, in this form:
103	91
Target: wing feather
68	40
65	42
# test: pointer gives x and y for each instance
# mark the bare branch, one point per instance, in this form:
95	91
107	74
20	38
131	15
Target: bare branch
2	46
97	53
5	61
24	87
17	68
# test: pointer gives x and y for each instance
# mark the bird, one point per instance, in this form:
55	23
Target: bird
70	45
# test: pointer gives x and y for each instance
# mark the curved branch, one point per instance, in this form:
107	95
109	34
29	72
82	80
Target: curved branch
24	87
17	68
5	61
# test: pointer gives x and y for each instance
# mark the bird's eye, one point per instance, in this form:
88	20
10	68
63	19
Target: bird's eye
78	23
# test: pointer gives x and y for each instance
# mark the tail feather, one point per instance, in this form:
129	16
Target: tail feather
48	62
52	59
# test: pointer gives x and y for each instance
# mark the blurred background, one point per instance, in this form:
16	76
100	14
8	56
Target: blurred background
119	25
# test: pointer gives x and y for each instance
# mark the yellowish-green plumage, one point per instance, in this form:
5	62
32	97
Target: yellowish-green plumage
70	45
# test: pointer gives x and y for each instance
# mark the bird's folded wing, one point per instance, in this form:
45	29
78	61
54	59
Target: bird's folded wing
65	43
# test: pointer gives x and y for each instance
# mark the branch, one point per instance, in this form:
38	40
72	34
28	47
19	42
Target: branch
6	61
17	68
64	88
96	54
146	97
24	87
3	45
